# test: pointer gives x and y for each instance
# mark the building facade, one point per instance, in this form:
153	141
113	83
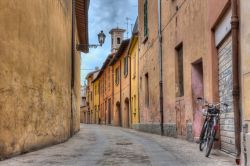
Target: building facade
90	114
187	52
40	106
105	98
96	92
121	83
133	52
83	105
148	67
245	70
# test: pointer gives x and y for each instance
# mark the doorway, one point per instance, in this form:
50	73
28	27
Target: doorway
119	114
126	111
109	111
197	91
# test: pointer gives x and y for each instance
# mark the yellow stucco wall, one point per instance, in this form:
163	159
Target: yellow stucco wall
96	100
134	61
35	72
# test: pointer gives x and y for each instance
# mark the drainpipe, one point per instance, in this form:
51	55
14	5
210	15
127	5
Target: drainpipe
160	56
236	81
130	106
138	86
121	125
98	109
113	94
72	65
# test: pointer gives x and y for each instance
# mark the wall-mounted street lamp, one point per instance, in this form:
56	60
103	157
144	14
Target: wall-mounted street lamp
101	40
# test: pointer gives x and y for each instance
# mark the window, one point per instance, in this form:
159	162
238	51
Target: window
104	82
146	90
98	88
134	104
134	66
117	76
108	78
125	65
145	18
112	40
140	82
118	40
132	107
179	72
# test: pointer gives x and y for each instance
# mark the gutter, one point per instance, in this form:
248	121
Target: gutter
121	125
72	66
236	80
161	66
130	106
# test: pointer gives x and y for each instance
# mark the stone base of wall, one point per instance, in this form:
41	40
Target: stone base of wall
169	129
247	148
190	132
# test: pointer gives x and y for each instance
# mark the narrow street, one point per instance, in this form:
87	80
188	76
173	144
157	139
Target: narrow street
105	145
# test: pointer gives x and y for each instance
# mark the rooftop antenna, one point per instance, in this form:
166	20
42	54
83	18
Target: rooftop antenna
132	25
127	19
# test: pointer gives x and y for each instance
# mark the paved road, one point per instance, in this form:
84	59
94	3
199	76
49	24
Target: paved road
111	146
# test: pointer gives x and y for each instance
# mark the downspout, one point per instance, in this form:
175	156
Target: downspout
98	109
72	65
160	57
130	106
236	81
105	94
121	125
138	84
113	94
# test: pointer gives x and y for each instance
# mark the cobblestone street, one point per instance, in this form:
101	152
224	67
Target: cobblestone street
105	145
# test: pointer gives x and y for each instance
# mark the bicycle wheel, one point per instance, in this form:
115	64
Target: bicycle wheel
210	141
203	136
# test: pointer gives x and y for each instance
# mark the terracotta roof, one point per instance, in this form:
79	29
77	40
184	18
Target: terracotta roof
105	64
91	73
121	49
81	10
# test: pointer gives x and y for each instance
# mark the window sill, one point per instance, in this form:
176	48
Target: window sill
145	39
125	76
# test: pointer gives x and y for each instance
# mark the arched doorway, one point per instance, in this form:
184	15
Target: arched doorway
126	113
119	114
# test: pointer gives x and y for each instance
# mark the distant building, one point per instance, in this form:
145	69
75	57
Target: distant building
117	36
89	113
96	93
121	83
83	105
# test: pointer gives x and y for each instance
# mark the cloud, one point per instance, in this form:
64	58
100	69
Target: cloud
105	15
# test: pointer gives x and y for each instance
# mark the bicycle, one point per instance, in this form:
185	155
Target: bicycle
210	125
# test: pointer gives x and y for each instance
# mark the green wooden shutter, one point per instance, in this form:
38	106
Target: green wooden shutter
145	18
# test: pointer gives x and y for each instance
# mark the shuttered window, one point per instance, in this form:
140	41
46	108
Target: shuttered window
145	18
179	72
126	66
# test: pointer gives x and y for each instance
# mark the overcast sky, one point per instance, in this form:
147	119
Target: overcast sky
105	15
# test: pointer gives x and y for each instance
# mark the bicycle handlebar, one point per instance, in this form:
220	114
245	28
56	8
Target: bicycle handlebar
211	104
